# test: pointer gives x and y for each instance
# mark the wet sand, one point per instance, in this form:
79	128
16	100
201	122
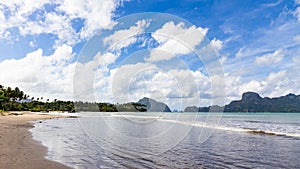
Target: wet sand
17	148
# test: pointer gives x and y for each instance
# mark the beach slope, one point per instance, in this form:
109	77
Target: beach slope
18	149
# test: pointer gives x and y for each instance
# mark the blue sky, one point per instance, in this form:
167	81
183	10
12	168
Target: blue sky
257	46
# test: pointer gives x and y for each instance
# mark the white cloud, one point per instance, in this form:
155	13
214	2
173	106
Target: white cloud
124	76
41	76
134	81
176	39
239	53
126	37
297	13
54	76
5	35
274	85
19	11
96	15
216	44
270	58
254	86
32	44
92	76
107	59
54	24
296	38
62	55
222	59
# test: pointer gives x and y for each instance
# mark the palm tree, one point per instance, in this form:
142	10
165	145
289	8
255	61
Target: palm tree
21	95
2	98
9	92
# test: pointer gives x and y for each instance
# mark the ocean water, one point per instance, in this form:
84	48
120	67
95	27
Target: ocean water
173	140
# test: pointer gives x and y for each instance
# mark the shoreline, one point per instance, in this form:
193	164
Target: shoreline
18	149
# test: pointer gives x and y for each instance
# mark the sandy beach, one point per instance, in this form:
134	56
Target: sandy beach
18	149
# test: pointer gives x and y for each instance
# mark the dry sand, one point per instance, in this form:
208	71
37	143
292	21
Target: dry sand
17	148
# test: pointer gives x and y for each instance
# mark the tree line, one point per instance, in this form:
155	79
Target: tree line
16	100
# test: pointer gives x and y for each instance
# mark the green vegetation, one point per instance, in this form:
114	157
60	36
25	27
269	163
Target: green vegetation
131	107
16	100
108	107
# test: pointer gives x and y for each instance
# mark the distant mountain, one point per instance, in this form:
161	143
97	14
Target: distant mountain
253	102
192	109
214	108
154	106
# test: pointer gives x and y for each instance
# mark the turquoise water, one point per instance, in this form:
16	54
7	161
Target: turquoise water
173	140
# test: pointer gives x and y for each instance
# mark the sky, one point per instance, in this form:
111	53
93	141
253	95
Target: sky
183	53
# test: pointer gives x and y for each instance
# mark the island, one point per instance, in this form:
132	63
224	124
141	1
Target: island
253	102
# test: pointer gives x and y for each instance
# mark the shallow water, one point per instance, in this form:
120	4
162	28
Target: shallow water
173	140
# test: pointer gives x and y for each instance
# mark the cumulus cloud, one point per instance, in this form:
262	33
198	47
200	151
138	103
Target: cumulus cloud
216	44
270	58
176	87
55	76
97	14
37	74
274	85
54	24
176	39
33	18
92	75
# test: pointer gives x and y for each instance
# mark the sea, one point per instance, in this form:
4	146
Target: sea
172	140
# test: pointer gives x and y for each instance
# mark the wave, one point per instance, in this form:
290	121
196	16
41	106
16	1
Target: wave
262	132
235	129
136	116
199	124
